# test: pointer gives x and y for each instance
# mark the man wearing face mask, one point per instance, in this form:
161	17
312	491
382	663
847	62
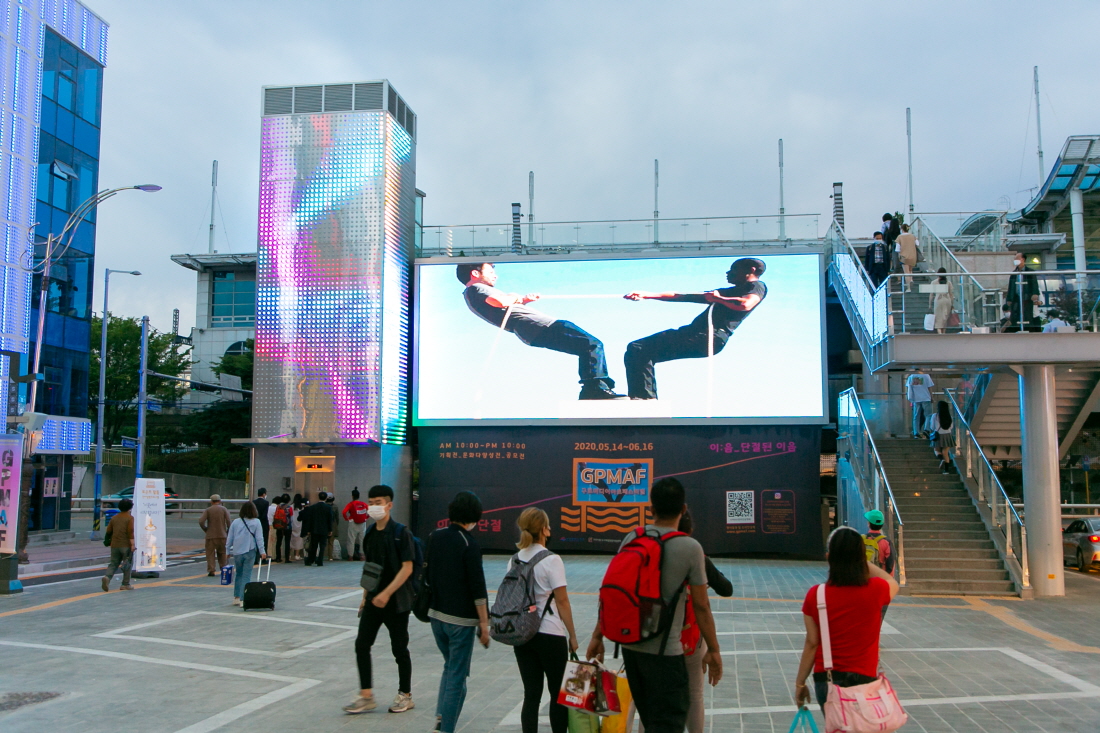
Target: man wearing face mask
1022	297
389	550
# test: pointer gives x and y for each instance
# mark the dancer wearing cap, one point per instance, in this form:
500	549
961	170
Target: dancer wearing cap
534	328
728	307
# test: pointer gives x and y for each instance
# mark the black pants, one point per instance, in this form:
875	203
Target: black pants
265	530
659	685
398	625
878	273
542	657
282	544
670	345
316	553
569	338
840	679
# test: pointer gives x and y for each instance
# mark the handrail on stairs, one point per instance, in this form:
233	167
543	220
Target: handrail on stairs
985	489
873	488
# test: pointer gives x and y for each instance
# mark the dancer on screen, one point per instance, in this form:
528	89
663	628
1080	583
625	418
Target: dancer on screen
534	328
728	307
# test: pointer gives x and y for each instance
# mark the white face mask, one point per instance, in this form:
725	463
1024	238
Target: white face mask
376	512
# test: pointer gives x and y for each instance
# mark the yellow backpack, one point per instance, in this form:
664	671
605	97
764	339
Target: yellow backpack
870	546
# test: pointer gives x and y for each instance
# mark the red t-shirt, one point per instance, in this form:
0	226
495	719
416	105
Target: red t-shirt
855	619
356	511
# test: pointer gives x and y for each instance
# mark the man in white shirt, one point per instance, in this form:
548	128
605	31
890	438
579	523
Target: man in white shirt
918	390
1055	322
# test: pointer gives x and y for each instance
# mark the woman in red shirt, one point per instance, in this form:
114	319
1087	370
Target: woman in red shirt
855	594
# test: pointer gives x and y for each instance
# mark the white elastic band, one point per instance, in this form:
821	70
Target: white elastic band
823	624
710	357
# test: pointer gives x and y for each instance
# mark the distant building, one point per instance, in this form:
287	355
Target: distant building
51	74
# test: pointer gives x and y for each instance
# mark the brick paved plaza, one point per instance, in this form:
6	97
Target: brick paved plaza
175	656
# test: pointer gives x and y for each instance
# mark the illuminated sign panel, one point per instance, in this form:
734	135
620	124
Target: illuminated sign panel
335	233
621	341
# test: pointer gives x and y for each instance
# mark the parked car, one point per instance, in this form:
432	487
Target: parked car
1081	543
128	493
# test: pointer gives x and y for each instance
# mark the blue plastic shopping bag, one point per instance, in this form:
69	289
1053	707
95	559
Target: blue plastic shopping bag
227	575
803	722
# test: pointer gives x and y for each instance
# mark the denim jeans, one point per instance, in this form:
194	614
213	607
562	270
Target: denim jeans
921	411
569	338
242	571
456	643
676	343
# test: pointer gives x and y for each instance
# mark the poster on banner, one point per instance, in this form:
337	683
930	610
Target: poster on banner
150	537
11	458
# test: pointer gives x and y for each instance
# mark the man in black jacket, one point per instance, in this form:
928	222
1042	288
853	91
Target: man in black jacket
876	260
317	523
262	504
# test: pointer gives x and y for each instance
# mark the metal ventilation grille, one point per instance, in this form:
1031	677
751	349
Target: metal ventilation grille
411	127
368	96
1077	149
392	106
307	99
338	98
279	101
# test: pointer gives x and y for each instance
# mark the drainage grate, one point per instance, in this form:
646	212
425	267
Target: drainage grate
14	700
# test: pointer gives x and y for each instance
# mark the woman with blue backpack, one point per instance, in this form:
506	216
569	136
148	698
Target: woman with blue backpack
533	614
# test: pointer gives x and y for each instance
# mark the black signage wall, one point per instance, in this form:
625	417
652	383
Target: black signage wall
750	489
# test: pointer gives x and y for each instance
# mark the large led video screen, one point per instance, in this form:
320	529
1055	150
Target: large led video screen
738	339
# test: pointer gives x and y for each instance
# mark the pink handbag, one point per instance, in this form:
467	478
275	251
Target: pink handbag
869	708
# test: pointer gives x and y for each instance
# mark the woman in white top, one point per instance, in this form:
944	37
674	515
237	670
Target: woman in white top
245	543
544	657
941	303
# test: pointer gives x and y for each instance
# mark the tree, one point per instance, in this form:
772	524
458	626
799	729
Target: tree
123	364
238	365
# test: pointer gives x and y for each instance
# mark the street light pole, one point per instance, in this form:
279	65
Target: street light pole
69	229
143	396
102	400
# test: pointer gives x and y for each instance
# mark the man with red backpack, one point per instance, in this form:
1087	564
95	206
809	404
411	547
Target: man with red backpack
642	606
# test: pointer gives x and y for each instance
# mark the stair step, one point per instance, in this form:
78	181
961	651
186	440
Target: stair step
917	562
942	526
968	574
960	587
951	535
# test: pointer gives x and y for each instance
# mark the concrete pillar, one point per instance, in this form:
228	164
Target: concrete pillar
1077	219
1042	500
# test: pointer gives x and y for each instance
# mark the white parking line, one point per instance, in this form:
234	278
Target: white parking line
296	684
324	602
348	632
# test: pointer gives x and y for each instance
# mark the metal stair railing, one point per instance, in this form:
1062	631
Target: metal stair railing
1006	528
865	464
976	305
865	305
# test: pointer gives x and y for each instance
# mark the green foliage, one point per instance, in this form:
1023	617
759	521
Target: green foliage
123	364
213	462
238	365
217	425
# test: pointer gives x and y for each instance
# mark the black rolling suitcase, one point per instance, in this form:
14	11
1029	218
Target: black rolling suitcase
259	595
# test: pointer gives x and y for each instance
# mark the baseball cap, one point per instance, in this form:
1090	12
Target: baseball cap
874	517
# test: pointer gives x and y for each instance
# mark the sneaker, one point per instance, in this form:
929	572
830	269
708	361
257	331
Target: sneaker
438	724
599	393
127	587
360	705
403	702
236	601
105	585
210	575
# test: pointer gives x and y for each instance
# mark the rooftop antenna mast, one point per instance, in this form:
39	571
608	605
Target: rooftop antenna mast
531	209
656	184
782	217
213	202
1039	131
909	135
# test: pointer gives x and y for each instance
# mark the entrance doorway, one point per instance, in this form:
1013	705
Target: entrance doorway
314	474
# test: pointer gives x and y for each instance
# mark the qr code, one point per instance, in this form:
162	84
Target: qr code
740	507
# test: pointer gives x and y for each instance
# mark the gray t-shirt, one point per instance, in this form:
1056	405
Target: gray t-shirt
526	323
683	560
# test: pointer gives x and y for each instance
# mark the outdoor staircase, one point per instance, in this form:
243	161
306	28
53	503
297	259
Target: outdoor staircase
996	421
948	550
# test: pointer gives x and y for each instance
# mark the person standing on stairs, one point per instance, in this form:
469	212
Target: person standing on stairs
876	260
943	435
918	390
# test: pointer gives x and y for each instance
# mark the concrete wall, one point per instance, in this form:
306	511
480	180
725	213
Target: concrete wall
116	478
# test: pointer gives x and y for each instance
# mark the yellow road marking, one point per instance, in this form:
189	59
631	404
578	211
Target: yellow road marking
73	599
1011	619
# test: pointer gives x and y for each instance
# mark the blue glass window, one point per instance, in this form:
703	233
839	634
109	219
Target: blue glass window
1067	170
232	302
86	138
43	182
1087	183
65	122
60	197
49	116
65	89
89	94
1060	183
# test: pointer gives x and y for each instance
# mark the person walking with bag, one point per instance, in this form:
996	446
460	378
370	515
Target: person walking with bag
387	600
120	538
545	655
281	523
459	610
355	514
214	523
943	435
245	543
843	618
